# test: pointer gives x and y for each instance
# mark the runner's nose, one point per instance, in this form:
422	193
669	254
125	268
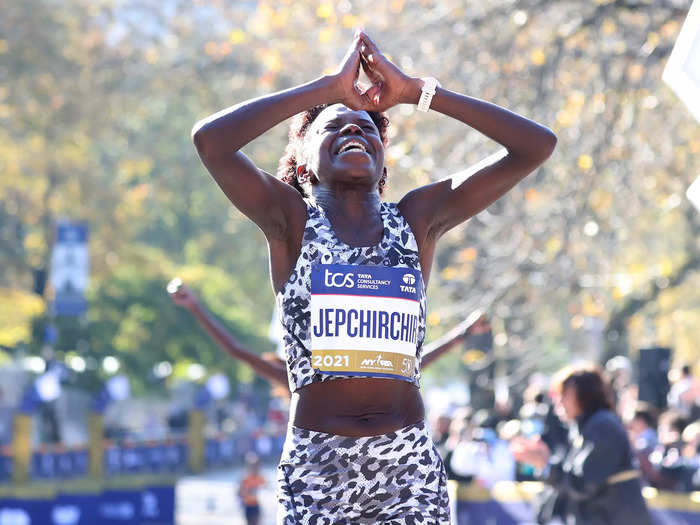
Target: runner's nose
350	128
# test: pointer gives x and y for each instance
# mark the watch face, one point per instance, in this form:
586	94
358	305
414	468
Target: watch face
429	84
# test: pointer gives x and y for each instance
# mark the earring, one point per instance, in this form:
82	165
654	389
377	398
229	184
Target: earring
302	175
382	180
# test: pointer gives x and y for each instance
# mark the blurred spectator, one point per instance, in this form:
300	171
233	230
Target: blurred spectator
671	427
593	482
642	429
476	452
248	491
671	465
5	421
441	432
459	432
683	396
691	440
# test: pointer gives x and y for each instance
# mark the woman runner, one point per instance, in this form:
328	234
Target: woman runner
350	273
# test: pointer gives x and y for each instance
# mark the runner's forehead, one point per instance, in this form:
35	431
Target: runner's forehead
341	114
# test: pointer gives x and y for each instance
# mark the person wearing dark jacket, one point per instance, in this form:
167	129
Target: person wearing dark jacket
594	481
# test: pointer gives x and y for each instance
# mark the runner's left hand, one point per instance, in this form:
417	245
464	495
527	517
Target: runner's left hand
390	85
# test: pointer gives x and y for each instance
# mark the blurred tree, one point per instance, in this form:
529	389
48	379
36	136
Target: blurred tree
595	254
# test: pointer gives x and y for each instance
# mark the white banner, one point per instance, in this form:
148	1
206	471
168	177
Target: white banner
682	72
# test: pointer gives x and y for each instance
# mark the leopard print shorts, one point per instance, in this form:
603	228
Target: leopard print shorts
395	478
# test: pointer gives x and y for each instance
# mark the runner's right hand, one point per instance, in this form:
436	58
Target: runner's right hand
345	79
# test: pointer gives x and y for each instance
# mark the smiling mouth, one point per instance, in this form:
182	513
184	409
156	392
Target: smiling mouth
352	145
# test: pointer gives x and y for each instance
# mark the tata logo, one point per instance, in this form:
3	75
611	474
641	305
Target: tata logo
410	280
378	362
339	280
9	516
65	515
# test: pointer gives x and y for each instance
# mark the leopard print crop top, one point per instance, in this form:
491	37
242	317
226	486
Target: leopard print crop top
353	311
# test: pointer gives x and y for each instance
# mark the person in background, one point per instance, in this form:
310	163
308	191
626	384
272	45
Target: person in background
459	431
691	454
684	394
642	429
251	483
666	467
441	432
594	481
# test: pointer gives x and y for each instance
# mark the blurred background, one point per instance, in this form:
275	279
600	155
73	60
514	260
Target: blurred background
103	200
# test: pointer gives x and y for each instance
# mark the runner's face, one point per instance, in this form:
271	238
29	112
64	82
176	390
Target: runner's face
344	146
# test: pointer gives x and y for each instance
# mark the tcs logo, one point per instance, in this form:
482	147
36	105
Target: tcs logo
339	280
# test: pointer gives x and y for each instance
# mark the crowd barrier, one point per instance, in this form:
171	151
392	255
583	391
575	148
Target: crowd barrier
153	457
110	483
508	503
141	500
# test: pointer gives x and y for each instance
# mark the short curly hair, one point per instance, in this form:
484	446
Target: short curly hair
287	170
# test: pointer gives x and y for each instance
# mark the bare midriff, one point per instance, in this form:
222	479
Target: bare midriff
357	407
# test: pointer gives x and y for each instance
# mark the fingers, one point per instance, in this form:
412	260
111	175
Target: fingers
352	56
372	48
373	93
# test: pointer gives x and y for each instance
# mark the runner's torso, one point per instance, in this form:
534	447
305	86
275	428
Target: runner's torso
354	321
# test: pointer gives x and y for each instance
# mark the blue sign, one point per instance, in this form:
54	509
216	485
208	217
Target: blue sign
119	507
70	268
25	512
150	505
74	509
158	505
5	468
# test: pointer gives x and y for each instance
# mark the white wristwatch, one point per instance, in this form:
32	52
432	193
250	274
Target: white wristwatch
430	84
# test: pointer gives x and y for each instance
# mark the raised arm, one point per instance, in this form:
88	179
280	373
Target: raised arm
433	209
184	297
270	203
447	342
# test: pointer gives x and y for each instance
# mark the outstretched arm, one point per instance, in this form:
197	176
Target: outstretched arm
184	297
447	342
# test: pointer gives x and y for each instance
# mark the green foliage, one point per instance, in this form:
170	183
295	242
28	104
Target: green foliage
132	317
95	124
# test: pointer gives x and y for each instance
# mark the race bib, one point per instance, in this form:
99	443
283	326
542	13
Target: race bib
364	320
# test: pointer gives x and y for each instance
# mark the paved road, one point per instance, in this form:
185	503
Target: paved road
212	499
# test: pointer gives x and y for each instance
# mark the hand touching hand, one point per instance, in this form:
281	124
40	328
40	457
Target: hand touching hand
390	85
345	79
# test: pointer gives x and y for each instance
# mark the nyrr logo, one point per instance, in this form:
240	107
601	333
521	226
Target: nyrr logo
409	279
339	280
378	362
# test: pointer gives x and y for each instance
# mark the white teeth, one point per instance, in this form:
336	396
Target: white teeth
352	145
